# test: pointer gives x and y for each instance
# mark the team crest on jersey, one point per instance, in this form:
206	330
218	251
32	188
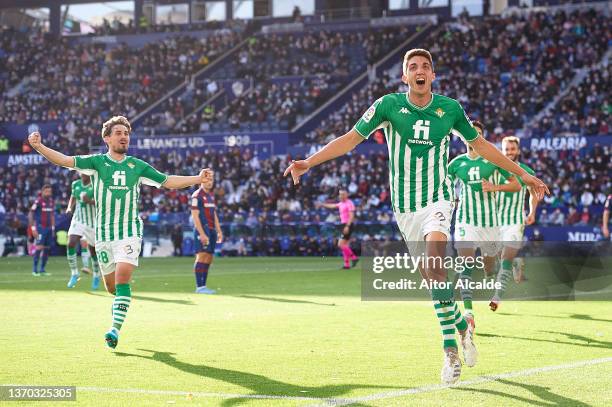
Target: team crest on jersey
440	112
131	165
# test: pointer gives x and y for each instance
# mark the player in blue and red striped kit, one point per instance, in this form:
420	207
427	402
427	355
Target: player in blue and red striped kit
207	232
41	221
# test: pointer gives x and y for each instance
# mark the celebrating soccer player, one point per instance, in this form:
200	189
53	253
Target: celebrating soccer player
512	220
417	125
82	229
117	178
476	223
347	218
207	232
41	220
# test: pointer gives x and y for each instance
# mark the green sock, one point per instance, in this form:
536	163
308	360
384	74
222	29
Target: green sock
504	275
95	266
460	322
72	261
444	306
85	256
466	292
123	297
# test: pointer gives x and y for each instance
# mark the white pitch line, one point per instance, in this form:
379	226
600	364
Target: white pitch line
479	380
347	401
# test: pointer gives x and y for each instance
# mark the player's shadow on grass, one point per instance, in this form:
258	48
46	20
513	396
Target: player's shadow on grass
547	397
582	317
275	299
258	384
153	299
583	340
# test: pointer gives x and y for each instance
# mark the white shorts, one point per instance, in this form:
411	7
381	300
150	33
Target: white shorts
80	229
512	235
414	226
120	251
472	237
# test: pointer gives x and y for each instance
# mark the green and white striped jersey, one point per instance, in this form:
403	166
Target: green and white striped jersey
83	212
511	205
476	207
418	141
116	186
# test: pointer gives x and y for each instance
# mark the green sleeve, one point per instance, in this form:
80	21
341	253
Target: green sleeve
463	126
372	119
505	173
73	188
86	164
527	168
452	168
150	176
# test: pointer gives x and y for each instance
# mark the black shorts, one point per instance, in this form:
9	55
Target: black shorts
346	236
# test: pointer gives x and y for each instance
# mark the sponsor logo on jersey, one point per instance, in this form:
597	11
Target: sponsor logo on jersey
440	112
404	110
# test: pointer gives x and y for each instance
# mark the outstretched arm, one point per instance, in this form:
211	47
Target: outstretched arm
184	181
333	149
329	205
512	186
50	154
491	153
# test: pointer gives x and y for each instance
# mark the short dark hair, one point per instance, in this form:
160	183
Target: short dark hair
477	123
417	52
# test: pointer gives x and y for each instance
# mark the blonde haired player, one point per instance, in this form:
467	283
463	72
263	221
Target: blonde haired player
117	178
417	125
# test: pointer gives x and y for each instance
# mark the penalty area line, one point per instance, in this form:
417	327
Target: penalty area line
478	380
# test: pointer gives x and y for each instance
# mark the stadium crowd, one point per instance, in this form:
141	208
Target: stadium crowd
252	191
80	84
507	70
585	109
324	61
504	71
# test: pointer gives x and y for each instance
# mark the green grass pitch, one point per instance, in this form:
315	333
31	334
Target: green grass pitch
285	332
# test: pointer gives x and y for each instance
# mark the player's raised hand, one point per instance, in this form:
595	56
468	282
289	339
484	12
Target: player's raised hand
35	139
297	169
536	185
206	174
